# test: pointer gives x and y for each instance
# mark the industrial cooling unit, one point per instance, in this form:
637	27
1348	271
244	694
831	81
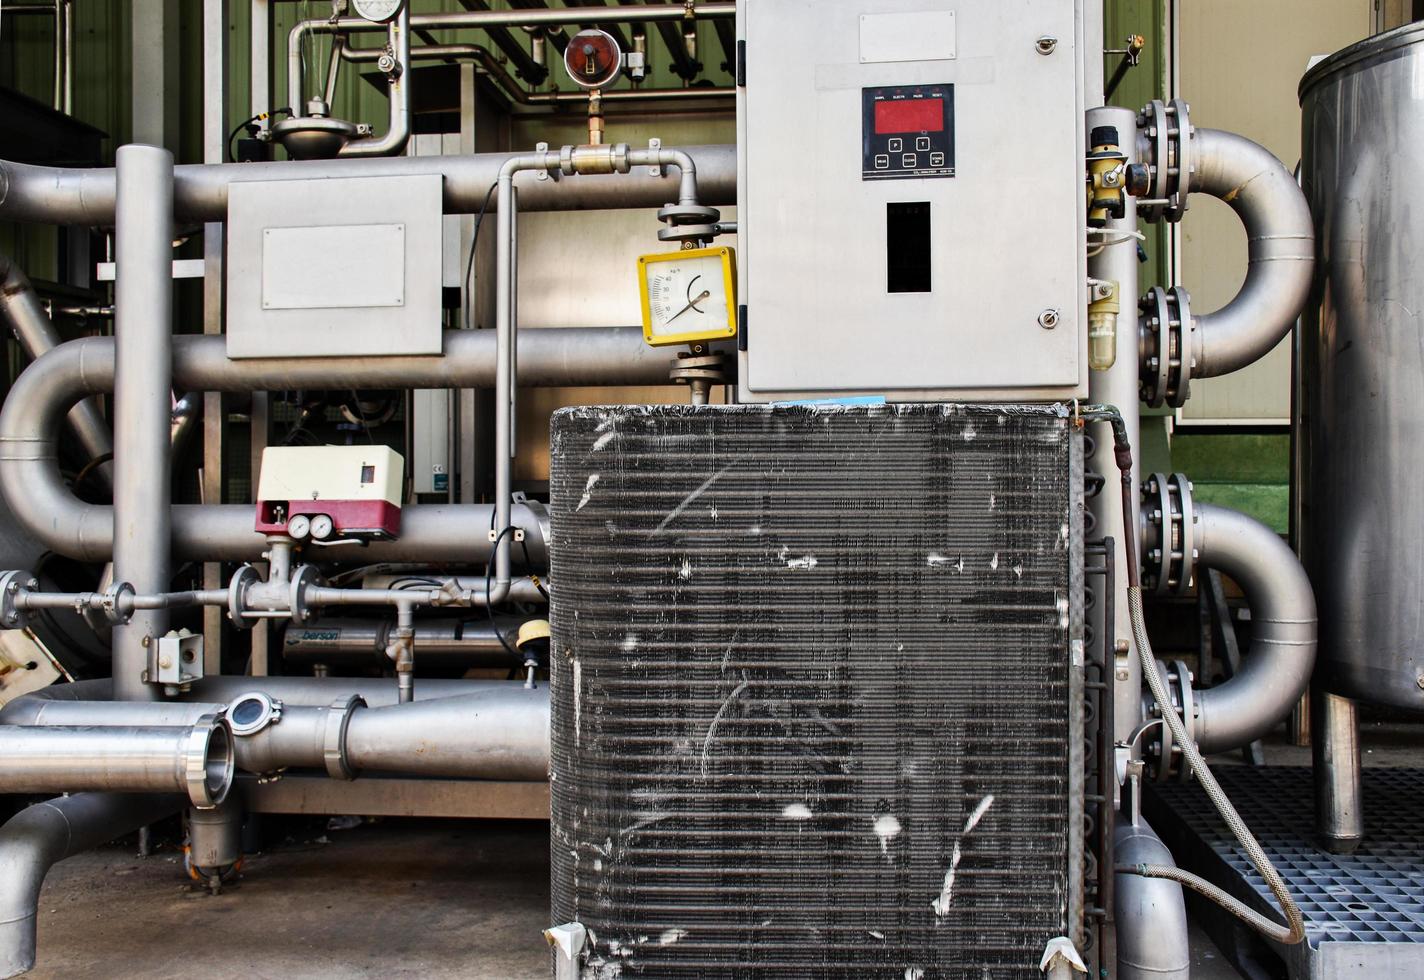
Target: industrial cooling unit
816	680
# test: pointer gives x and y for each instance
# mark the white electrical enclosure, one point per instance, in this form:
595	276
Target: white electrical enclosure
334	267
331	473
911	200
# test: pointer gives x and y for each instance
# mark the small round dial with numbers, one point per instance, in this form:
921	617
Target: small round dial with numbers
379	11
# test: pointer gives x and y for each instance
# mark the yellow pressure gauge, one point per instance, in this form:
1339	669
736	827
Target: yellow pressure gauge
689	296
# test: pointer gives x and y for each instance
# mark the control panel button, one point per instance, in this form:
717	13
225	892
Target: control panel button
882	162
896	145
910	160
936	159
922	143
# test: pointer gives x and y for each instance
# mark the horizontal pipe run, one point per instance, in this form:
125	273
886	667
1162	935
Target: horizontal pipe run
84	196
196	760
1276	670
38	837
44	505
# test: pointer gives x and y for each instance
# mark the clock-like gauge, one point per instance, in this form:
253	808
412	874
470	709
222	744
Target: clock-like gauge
378	11
689	296
592	59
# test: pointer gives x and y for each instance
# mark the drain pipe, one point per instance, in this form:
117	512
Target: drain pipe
38	837
36	333
143	316
1152	938
398	129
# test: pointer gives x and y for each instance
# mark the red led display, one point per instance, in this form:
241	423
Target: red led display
909	116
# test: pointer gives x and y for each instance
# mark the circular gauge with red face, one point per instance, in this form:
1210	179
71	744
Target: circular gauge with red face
592	59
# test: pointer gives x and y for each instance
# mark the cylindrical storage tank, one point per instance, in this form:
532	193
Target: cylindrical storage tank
1360	368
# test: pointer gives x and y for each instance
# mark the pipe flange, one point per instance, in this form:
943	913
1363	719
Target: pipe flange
1186	702
338	720
248	714
1181	135
1165	339
242	580
306	577
689	233
1165	755
1152	146
710	367
1165	143
1168	542
207	761
12	586
1185	545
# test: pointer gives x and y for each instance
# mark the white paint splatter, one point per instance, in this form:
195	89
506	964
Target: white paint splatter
717	720
1018	569
994	562
993	501
671	936
587	493
875	935
602	441
630	642
969	432
887	828
946	892
978	813
578	697
687	501
796	811
935	560
685	571
959	565
755	529
785	550
809	561
914	973
713	512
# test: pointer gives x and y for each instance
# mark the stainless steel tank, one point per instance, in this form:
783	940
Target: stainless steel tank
1360	367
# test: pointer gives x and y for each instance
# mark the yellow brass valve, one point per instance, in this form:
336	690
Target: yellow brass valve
1107	177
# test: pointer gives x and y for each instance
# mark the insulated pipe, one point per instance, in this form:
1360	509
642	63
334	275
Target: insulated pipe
1283	630
1118	386
196	760
1152	937
1276	216
398	129
143	318
35	331
31	415
38	837
84	196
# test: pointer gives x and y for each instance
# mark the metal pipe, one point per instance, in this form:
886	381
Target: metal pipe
1335	738
1276	216
1152	937
196	760
1283	630
398	129
38	837
362	643
1118	386
143	316
31	415
215	838
21	308
85	196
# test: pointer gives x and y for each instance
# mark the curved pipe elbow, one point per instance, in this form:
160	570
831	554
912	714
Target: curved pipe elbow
1281	234
1277	671
1152	938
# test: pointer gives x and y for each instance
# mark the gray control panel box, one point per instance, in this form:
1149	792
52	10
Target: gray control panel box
346	266
911	200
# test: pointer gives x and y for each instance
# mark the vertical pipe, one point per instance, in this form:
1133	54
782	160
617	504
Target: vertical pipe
59	55
504	375
1339	813
142	392
215	130
68	103
1118	386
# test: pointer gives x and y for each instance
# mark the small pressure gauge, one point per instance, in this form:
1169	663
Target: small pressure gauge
378	11
689	296
592	59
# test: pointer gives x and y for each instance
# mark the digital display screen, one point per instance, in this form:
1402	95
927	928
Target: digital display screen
909	116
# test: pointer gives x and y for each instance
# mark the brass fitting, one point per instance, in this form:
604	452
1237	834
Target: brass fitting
1107	177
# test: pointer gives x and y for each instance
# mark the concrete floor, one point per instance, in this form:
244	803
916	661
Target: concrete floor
400	898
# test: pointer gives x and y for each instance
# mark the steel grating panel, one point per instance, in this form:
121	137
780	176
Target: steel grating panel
813	689
1364	912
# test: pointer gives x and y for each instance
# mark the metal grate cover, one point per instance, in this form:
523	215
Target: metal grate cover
1363	912
814	676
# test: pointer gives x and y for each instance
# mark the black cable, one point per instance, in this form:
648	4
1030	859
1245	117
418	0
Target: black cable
529	563
232	157
489	591
470	263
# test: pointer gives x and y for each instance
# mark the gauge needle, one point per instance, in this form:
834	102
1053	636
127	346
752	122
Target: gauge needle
691	305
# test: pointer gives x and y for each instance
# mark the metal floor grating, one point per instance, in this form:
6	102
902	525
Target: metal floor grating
1364	912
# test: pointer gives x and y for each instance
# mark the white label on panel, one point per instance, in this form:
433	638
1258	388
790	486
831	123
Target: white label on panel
333	267
924	36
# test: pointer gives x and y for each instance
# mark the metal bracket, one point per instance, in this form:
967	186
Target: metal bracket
657	169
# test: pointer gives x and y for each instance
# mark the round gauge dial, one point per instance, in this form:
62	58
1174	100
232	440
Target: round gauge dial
379	11
687	296
592	59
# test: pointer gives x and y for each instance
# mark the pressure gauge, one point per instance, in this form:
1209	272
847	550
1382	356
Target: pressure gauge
592	59
378	11
689	296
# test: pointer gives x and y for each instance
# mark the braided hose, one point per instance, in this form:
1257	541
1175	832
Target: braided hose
1294	929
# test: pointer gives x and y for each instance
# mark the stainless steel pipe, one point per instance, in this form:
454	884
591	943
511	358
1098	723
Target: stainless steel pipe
143	331
40	836
1152	938
1283	630
398	128
1276	216
21	308
81	196
1335	745
31	415
196	760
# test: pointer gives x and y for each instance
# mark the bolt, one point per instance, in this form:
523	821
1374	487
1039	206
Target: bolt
1048	319
1046	44
1122	674
164	662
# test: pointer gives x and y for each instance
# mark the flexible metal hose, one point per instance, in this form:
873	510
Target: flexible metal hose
1294	929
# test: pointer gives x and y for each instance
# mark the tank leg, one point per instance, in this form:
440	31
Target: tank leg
1339	813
